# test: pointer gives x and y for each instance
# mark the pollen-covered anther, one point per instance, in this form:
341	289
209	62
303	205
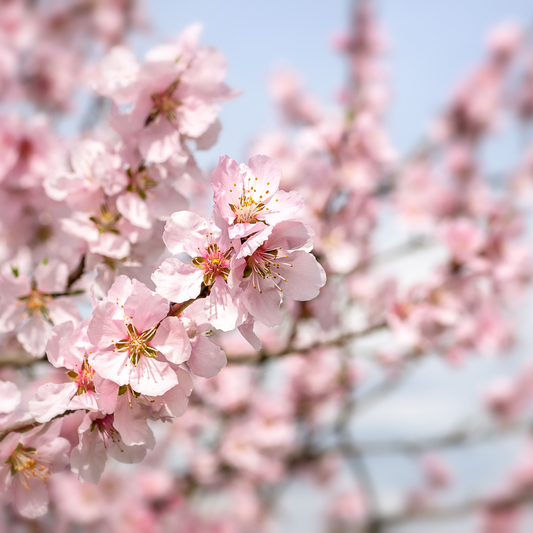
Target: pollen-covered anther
27	464
137	344
214	263
36	301
83	377
247	210
107	429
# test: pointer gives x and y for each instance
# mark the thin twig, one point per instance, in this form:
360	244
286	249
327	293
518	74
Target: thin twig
263	355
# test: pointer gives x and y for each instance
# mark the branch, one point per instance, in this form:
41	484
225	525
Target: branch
25	425
263	355
496	505
19	427
77	273
177	309
396	252
458	437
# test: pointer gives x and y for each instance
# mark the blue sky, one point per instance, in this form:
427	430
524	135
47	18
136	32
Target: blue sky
431	45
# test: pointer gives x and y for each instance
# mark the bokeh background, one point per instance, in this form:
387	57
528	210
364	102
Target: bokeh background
431	46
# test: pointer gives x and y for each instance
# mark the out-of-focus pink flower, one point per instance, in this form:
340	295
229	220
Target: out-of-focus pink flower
26	462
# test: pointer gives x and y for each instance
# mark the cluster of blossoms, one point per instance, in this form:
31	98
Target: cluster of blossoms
131	360
129	280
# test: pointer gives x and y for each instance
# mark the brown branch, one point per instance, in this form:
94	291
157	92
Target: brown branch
495	505
76	274
456	438
263	355
25	425
19	427
177	309
396	252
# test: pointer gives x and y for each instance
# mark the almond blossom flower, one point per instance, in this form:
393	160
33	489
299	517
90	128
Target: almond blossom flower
282	264
133	409
210	249
148	196
250	194
26	462
206	359
34	304
98	438
105	230
173	96
135	340
69	347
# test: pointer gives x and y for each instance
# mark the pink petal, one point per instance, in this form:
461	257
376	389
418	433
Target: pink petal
152	377
132	207
145	308
33	502
34	334
269	174
9	397
63	309
104	329
61	348
304	278
172	340
220	307
131	422
51	399
207	359
159	140
177	281
186	232
263	303
51	277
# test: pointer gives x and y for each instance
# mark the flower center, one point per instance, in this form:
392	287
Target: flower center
83	379
214	263
247	210
140	181
27	464
36	301
106	428
105	220
165	104
261	262
137	344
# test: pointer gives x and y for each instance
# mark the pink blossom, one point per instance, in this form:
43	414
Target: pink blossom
26	462
210	250
31	305
69	347
135	340
249	194
98	438
281	264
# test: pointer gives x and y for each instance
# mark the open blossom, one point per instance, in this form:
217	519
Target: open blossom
246	195
98	438
281	265
32	304
26	462
135	340
69	347
173	95
133	410
210	249
206	359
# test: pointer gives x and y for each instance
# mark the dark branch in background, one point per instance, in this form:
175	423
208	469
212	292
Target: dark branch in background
455	438
493	505
25	425
263	355
76	274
